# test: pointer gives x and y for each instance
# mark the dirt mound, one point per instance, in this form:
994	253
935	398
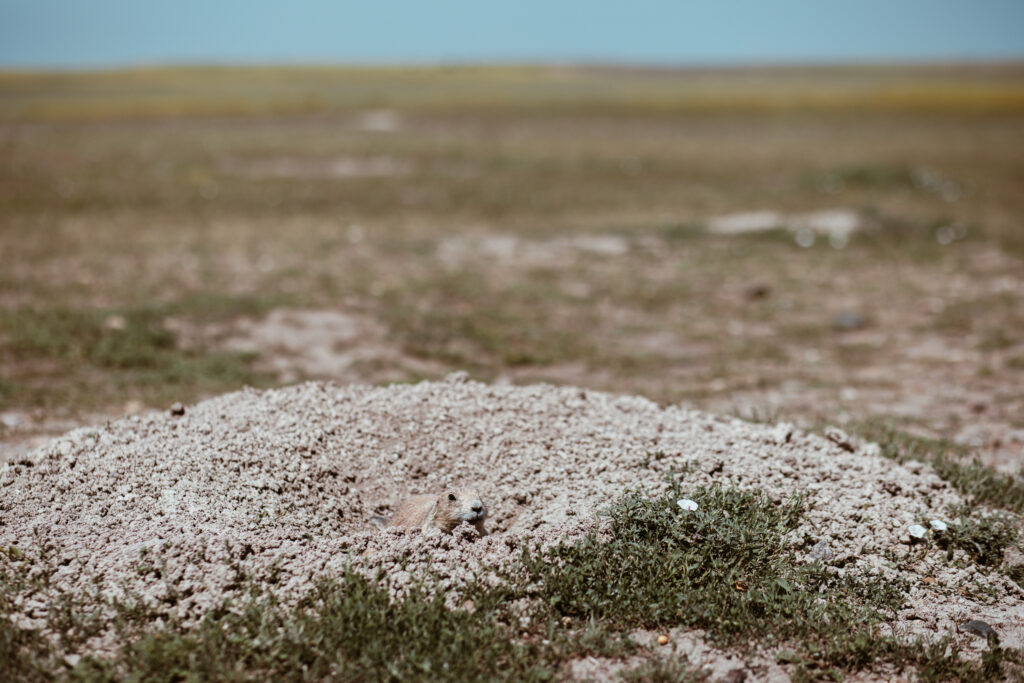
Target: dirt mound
279	486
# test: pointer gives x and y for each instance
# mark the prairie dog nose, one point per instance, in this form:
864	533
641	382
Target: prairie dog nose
477	506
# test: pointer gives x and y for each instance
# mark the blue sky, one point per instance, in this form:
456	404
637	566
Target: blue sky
88	33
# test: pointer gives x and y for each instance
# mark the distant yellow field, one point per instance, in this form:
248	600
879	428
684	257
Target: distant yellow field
162	92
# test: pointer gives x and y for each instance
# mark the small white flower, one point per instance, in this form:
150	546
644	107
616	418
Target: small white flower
938	525
687	504
917	531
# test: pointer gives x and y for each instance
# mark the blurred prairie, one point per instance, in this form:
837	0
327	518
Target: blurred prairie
524	223
150	92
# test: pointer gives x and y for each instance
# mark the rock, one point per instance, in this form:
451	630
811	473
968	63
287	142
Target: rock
821	551
10	420
735	676
1013	558
848	321
662	640
177	410
839	438
72	660
980	628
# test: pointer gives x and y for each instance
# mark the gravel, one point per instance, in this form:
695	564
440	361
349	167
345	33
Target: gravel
281	484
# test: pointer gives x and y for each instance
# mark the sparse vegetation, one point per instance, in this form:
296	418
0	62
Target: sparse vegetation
98	355
980	483
726	568
729	570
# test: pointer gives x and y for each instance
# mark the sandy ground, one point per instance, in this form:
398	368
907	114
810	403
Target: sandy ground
282	484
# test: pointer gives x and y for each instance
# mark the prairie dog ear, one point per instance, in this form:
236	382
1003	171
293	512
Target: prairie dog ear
431	516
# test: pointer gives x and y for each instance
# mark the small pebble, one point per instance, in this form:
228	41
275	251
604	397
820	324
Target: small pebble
662	640
687	504
917	531
938	525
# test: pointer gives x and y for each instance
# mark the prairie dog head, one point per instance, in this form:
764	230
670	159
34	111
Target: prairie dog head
455	506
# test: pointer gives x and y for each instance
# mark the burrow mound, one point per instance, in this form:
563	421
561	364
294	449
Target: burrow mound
279	486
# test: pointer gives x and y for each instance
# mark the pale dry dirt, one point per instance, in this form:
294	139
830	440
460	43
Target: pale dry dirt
280	485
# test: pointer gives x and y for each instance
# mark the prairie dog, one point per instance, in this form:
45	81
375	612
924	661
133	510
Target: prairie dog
444	512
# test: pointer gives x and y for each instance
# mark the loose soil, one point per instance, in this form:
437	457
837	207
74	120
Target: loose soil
280	485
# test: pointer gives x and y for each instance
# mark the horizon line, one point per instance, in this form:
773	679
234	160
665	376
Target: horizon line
461	63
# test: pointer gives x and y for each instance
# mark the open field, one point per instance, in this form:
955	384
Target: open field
825	246
487	233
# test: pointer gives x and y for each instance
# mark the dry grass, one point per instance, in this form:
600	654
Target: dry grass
170	92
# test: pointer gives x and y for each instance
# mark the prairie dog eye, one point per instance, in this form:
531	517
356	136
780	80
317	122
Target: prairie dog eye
451	496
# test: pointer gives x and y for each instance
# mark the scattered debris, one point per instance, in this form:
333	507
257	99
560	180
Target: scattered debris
840	438
837	225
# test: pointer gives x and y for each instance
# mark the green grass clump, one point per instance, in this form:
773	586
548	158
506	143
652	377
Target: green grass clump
729	568
732	569
347	629
983	537
111	353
